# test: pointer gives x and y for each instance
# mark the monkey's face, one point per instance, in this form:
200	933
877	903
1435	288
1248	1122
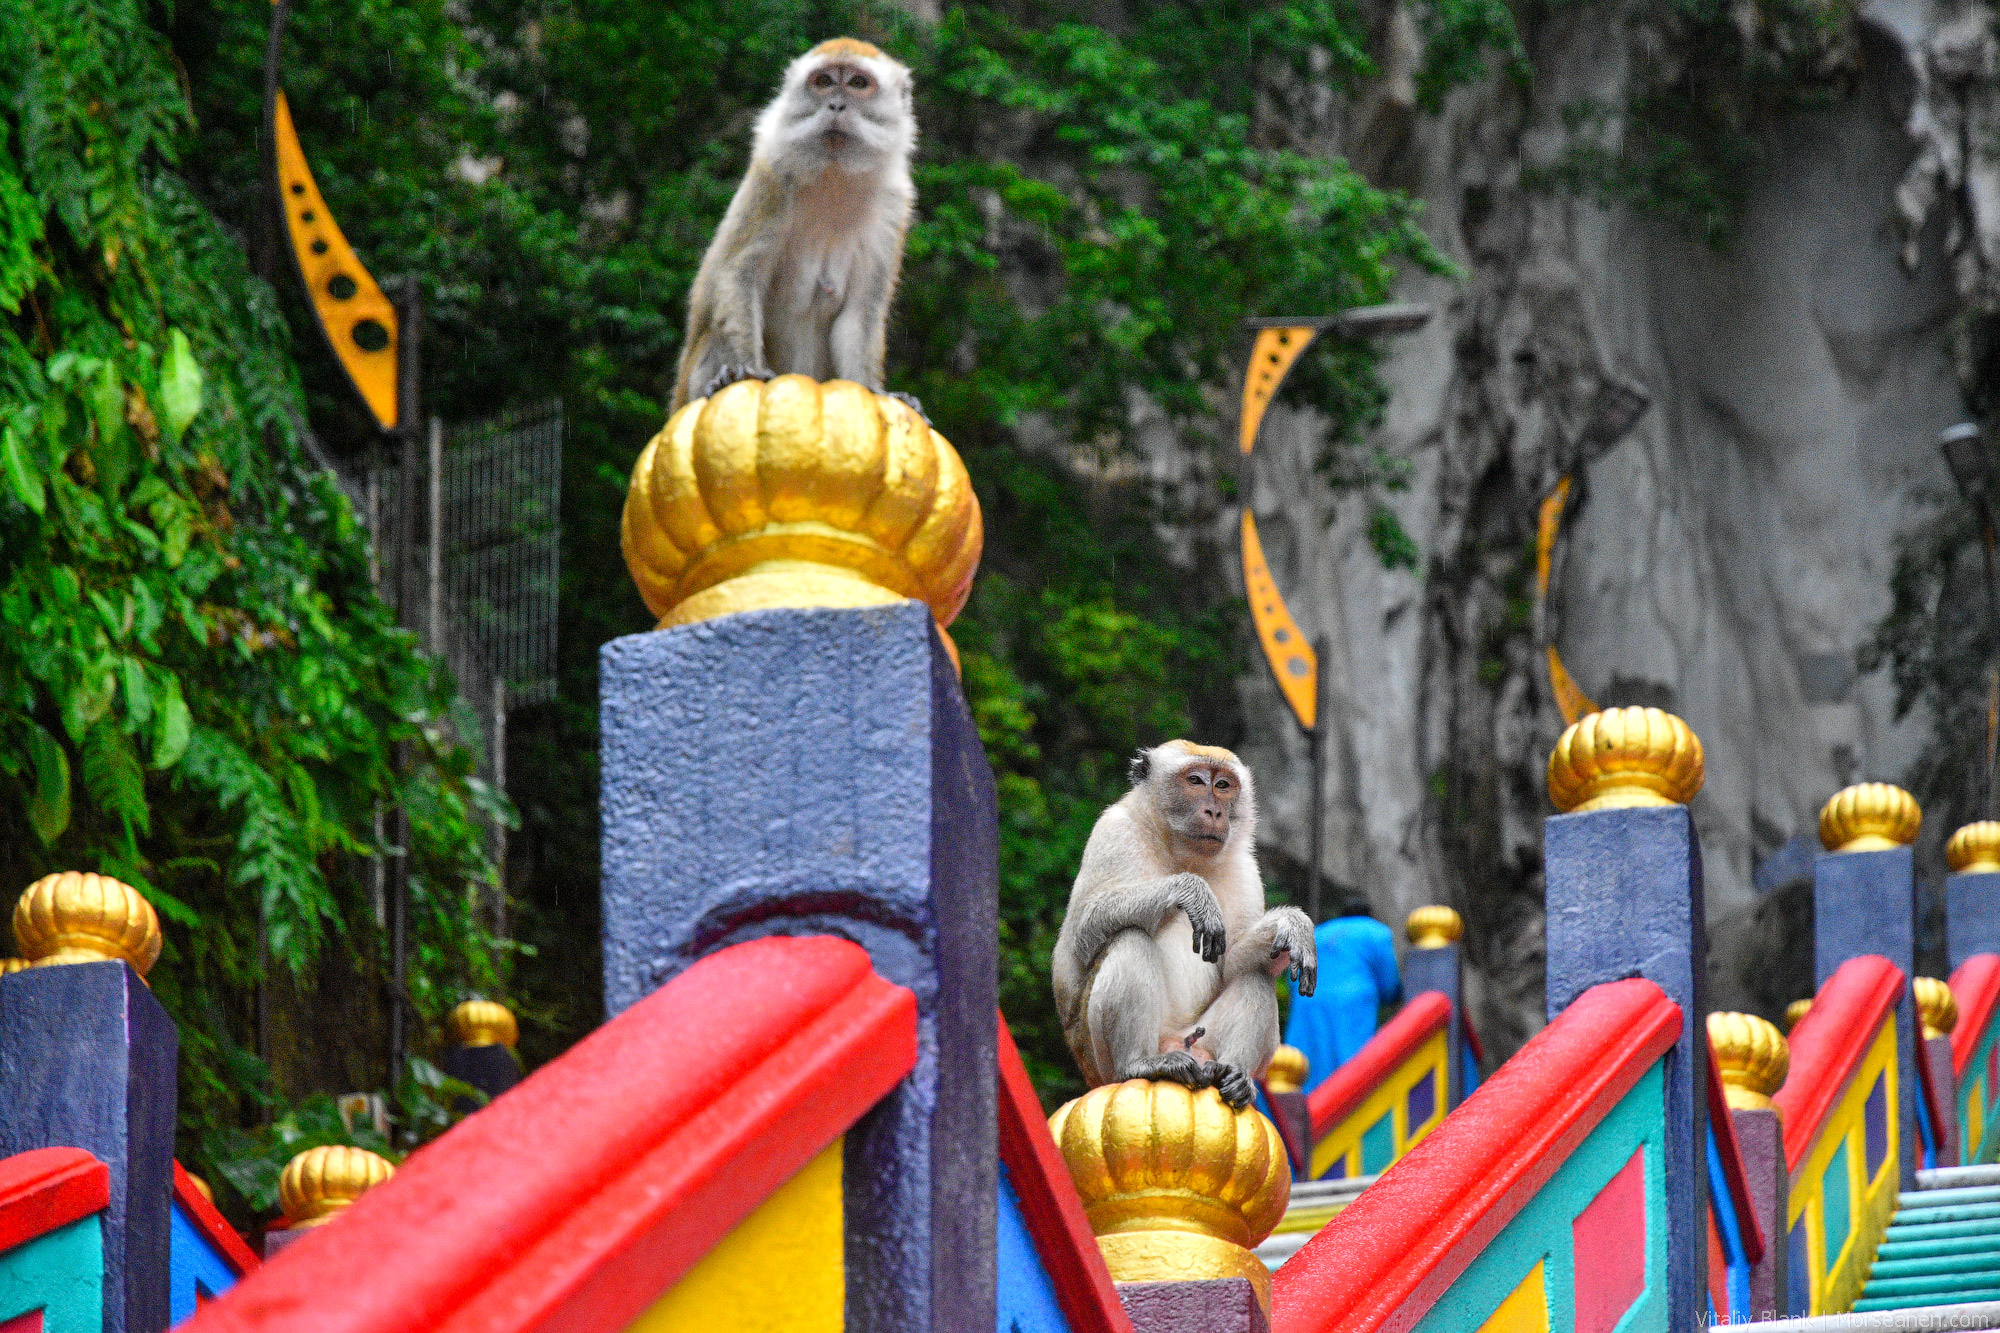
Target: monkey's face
844	113
1199	801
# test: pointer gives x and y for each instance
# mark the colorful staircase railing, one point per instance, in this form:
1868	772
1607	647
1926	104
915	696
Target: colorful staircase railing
52	1242
1385	1100
1839	1106
1975	1056
1735	1238
1540	1204
640	1181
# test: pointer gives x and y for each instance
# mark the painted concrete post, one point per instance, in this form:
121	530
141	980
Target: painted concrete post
87	1060
1624	894
1207	1305
1972	892
485	1033
1865	902
1284	1094
1760	1136
1937	1016
1436	962
816	772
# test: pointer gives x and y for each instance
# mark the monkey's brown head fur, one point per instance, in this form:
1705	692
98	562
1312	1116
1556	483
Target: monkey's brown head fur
844	104
1202	792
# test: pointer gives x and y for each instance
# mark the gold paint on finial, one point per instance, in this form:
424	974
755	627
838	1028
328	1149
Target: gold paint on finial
1796	1011
201	1187
1975	849
1434	927
320	1182
1869	817
1288	1070
794	493
74	917
1177	1186
1937	1006
485	1023
1753	1056
1625	757
12	965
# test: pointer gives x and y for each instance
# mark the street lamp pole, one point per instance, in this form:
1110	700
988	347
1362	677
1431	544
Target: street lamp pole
1971	464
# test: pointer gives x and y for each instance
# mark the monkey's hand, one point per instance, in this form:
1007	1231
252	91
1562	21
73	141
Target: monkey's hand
1293	939
1172	1067
1234	1085
728	375
909	400
1192	895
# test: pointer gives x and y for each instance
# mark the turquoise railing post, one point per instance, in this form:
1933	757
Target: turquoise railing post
1865	902
1624	892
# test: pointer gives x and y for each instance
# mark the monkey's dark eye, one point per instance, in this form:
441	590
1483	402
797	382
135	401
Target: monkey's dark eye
858	82
822	80
1222	784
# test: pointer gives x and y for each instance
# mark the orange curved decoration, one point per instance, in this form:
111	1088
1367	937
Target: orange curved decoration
1292	659
1271	359
1571	699
358	319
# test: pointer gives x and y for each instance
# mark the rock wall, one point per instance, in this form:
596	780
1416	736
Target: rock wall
1729	549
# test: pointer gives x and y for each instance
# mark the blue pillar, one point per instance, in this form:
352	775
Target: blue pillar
1866	903
1625	900
1440	967
1971	914
87	1060
808	772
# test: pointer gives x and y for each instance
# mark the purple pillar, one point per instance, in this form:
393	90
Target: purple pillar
1865	902
1211	1305
1440	967
1760	1137
1971	914
1944	1082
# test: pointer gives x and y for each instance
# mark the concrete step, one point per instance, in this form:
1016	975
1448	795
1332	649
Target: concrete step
1967	1212
1965	1286
1947	1177
1944	1198
1932	1319
1921	1265
1930	1231
1981	1242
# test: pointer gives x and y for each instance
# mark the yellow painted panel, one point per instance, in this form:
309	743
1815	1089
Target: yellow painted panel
1343	1141
1526	1309
1270	359
1975	1121
1292	659
1836	1280
782	1270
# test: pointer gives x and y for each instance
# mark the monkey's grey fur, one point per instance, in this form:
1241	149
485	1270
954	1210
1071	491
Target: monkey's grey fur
1163	968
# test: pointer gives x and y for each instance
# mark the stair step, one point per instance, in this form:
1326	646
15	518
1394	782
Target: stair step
1945	1198
1982	1241
1960	1286
1929	1231
1872	1303
1951	1213
1919	1266
1949	1177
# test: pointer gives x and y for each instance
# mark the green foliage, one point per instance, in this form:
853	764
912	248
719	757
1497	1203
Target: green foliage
199	691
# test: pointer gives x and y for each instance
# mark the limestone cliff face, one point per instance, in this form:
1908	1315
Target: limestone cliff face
1732	545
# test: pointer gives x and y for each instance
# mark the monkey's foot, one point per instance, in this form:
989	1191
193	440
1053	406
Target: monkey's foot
1229	1080
728	375
1172	1067
909	400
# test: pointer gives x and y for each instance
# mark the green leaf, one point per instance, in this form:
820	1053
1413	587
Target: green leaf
180	385
171	724
21	472
48	804
112	776
112	454
138	696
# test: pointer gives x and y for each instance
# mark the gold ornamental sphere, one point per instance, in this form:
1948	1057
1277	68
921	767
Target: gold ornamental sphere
797	493
1795	1011
1434	927
1975	849
1869	817
73	917
485	1023
1937	1006
12	965
1753	1056
1625	757
320	1182
1177	1185
1288	1070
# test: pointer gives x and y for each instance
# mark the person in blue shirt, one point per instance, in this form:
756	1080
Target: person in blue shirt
1357	977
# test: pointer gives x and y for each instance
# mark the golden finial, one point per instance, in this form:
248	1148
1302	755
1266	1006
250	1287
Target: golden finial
1434	927
201	1187
1176	1185
11	965
1869	817
1975	849
1753	1057
1796	1011
320	1182
1937	1006
1288	1070
74	917
798	493
1625	757
485	1023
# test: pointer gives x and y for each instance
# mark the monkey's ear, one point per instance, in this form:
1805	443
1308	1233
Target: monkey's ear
1141	767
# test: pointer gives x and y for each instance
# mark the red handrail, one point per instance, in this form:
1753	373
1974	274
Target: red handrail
577	1198
1829	1042
204	1217
1976	987
1342	1093
1385	1259
46	1188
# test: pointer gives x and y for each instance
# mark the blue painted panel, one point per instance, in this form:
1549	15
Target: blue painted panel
193	1264
60	1273
1025	1297
1541	1231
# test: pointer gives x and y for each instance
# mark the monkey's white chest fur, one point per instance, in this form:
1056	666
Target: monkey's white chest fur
836	244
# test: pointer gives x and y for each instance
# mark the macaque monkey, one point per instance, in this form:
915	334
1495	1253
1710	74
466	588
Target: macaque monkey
1164	965
800	274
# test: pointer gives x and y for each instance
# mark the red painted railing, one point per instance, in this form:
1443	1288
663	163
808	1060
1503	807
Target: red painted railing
1344	1091
1383	1261
1976	987
213	1226
576	1199
1829	1043
48	1188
